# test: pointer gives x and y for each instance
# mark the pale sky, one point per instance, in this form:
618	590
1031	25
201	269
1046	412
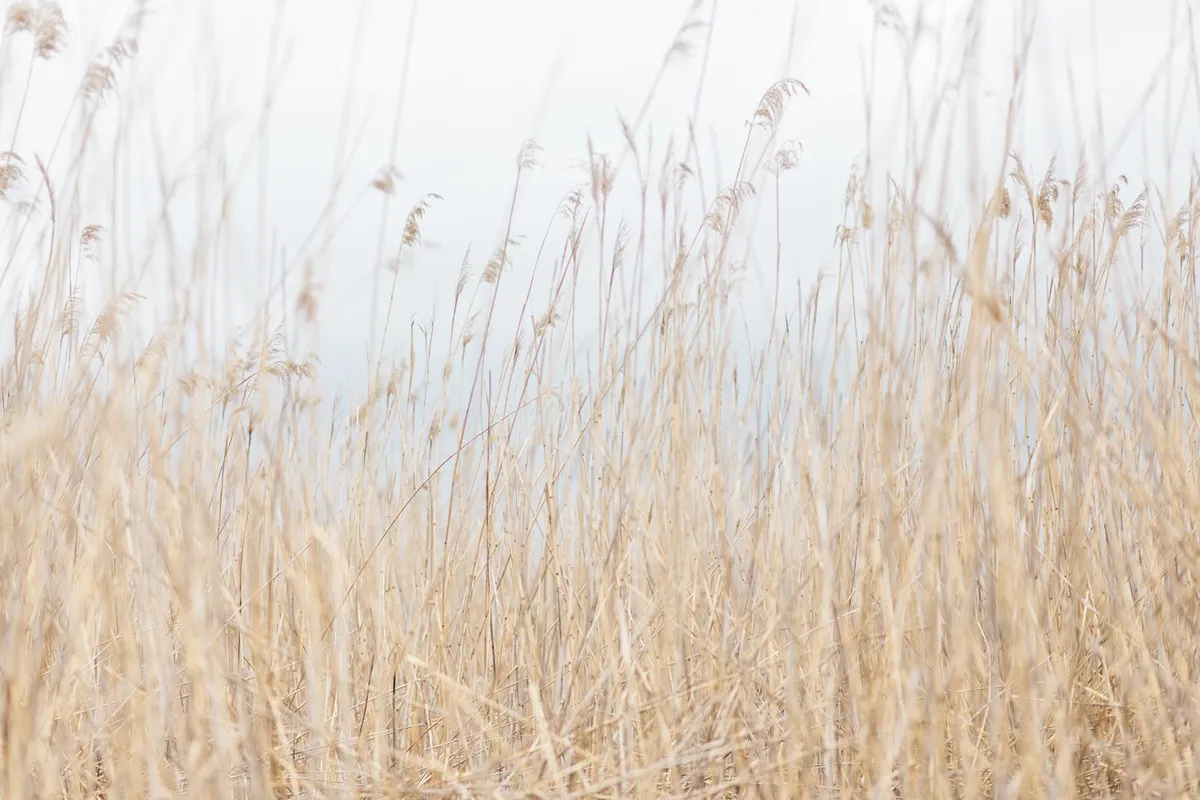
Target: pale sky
484	76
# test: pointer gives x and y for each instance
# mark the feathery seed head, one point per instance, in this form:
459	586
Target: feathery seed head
787	157
12	172
386	179
51	30
21	18
868	215
770	107
412	223
88	240
527	158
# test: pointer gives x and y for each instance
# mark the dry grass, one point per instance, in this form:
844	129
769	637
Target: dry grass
963	563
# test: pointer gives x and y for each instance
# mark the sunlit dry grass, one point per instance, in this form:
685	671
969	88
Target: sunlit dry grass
924	542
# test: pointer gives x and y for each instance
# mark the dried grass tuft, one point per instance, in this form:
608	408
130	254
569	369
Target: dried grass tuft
770	107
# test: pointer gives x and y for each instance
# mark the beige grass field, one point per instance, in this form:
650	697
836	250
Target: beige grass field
934	536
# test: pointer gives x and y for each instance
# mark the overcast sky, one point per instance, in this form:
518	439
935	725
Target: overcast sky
484	75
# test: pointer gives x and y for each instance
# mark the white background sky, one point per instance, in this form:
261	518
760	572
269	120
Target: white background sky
485	75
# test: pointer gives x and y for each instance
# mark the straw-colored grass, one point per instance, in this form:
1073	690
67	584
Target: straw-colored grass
936	536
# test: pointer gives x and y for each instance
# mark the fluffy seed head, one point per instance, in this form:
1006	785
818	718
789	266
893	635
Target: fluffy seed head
770	107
